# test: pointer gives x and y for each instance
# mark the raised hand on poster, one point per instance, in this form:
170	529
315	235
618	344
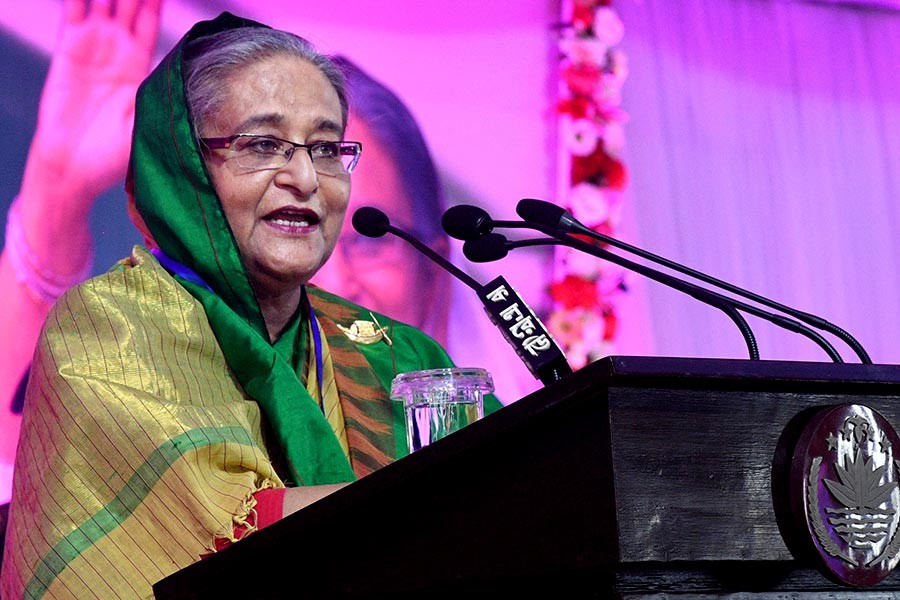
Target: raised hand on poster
79	149
87	106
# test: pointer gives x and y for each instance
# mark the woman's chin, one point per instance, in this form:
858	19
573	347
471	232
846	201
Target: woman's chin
282	276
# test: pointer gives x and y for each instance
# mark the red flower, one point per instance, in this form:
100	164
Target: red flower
600	169
583	16
605	228
577	106
582	78
574	292
611	323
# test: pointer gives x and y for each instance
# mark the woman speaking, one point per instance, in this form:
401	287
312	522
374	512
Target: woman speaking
201	389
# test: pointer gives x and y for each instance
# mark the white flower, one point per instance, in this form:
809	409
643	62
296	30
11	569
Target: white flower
589	204
581	136
584	50
608	27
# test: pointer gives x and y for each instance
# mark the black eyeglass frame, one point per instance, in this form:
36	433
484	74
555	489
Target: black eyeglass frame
225	143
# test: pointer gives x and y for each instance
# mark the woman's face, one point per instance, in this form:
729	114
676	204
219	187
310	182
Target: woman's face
286	221
385	274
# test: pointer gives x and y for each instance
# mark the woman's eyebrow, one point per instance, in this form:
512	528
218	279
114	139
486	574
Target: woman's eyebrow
329	125
322	124
272	119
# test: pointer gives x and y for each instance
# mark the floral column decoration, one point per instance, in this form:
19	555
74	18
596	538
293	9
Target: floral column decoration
591	175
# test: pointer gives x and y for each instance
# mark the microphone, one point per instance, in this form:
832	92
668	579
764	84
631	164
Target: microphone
724	303
373	223
370	222
467	222
489	248
495	246
548	215
517	322
474	225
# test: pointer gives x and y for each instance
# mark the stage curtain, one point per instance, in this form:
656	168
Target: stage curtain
764	148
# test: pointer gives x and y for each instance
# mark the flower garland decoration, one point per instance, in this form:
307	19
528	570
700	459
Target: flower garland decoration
592	70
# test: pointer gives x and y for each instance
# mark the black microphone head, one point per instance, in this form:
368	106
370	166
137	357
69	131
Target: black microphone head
546	214
466	222
540	212
370	222
489	248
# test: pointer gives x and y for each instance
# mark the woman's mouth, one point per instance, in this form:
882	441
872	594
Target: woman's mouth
293	220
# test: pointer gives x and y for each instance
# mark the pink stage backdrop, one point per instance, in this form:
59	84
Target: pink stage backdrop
763	141
478	76
764	148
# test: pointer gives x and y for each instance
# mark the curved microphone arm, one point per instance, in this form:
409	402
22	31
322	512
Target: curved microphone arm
702	294
807	318
567	222
446	264
495	246
743	327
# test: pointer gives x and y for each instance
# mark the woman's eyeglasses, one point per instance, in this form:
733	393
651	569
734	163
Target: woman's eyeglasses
260	152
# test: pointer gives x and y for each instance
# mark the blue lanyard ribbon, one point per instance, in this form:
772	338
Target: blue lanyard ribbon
176	268
317	347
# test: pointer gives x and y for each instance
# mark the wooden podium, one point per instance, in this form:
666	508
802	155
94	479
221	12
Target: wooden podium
633	478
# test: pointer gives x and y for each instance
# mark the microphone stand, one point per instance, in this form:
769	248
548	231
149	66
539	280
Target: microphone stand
510	314
569	225
702	294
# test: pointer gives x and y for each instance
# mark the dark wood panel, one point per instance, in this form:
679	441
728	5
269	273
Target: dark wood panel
633	478
693	469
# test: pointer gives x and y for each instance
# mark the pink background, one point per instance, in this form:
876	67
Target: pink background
763	141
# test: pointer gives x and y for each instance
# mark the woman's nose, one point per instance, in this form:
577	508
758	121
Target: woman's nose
299	173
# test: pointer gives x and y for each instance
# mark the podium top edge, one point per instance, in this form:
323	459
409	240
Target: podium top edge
623	369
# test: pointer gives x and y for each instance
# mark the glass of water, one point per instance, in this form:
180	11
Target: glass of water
438	402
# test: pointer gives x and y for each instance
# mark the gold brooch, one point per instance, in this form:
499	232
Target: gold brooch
366	332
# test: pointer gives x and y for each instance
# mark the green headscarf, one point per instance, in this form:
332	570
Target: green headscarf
175	197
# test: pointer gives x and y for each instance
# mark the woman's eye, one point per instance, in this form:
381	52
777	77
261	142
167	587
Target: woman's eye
263	145
326	150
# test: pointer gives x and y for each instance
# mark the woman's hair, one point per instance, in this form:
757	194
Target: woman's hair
394	127
209	60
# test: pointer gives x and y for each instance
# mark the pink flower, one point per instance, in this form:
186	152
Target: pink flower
588	203
614	138
583	16
581	136
580	332
608	27
584	50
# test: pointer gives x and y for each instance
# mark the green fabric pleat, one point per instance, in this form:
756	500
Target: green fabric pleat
172	189
176	199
